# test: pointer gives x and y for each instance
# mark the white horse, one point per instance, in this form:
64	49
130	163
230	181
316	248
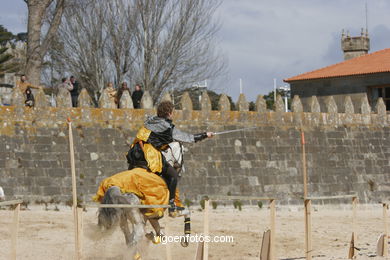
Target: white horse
108	217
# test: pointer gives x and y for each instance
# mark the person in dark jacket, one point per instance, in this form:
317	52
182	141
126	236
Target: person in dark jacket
120	92
154	137
137	96
74	93
30	100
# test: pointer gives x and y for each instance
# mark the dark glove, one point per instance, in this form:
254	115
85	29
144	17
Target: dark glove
200	137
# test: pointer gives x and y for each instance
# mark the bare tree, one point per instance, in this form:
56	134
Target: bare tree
95	43
120	44
176	43
39	37
163	44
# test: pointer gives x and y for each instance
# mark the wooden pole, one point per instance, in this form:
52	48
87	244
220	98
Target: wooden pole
354	220
14	233
308	244
272	255
74	192
307	202
80	231
168	249
206	229
304	170
351	252
385	239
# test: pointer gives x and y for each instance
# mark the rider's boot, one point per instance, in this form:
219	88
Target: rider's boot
173	209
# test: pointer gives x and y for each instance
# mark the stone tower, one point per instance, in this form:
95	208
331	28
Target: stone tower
355	46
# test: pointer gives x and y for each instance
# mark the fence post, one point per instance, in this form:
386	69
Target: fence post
206	229
385	239
308	246
272	224
74	193
14	234
352	247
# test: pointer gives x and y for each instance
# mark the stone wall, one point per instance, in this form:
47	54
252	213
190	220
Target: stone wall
346	152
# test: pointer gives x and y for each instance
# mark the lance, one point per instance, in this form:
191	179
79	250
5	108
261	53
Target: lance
235	130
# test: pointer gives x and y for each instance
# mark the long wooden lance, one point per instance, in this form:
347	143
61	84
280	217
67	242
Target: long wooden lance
235	130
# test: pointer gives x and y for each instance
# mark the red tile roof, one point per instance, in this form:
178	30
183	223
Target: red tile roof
376	62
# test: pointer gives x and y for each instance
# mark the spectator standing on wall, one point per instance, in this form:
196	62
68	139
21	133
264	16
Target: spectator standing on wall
25	87
111	92
137	96
120	92
75	91
65	84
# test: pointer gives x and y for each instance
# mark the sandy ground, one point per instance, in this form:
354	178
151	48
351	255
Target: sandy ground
49	234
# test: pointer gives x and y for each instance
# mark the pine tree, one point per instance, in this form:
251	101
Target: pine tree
7	65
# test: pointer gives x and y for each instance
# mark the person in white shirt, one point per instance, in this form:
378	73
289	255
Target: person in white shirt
2	196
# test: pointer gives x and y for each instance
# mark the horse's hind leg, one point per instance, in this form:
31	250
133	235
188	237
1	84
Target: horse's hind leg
125	228
136	219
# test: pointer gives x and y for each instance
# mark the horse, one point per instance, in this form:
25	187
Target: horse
109	217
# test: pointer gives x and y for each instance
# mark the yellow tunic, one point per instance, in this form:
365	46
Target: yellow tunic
152	155
148	186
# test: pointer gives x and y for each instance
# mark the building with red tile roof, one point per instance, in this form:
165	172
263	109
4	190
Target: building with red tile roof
366	74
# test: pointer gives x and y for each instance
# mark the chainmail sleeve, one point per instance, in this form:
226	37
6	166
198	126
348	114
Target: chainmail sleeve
182	136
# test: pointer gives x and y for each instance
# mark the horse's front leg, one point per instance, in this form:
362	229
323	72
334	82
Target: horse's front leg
156	225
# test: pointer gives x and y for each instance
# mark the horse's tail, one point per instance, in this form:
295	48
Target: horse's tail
108	217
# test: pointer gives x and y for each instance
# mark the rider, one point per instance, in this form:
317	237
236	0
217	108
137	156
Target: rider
154	137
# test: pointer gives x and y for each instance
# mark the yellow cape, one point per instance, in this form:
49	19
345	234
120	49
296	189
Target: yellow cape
148	186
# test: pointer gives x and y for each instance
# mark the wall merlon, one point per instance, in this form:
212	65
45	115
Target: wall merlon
331	106
223	103
348	105
314	105
261	105
242	104
146	101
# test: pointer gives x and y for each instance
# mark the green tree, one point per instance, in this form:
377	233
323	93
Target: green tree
270	100
7	65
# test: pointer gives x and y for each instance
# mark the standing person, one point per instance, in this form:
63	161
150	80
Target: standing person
120	92
154	137
75	91
137	96
65	84
62	91
111	92
25	87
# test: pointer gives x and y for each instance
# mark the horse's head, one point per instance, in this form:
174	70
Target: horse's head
174	156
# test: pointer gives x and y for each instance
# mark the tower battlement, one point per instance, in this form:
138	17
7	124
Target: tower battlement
355	46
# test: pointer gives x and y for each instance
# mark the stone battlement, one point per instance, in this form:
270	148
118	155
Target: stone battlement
44	115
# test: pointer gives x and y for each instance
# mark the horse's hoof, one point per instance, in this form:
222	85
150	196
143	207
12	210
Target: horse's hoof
156	240
149	236
173	214
137	256
184	243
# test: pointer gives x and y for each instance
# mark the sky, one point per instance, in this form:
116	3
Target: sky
267	39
